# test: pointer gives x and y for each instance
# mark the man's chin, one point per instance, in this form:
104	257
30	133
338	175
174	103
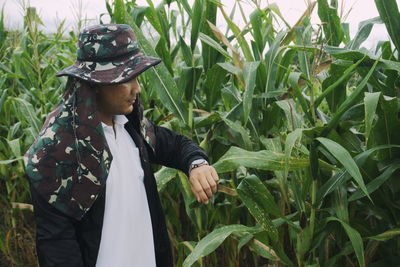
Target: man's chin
125	112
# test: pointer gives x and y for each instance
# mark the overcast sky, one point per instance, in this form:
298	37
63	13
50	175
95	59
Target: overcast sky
53	11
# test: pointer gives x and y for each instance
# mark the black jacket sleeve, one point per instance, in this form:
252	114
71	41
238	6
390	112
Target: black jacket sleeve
56	242
175	150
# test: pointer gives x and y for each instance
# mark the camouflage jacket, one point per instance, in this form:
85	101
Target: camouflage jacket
68	163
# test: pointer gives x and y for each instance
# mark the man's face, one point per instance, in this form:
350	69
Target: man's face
118	99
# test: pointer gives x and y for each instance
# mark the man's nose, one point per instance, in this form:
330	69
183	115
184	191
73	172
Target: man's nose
135	86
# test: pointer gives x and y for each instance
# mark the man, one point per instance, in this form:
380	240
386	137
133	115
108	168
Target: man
93	190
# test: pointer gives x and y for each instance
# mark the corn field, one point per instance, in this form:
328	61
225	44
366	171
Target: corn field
300	121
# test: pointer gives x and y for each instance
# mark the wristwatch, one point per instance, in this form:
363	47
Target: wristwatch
197	163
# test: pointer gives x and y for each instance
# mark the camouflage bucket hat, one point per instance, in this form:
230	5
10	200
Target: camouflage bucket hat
108	54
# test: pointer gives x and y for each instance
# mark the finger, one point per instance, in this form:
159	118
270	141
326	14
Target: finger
206	186
212	183
214	174
199	191
201	197
198	196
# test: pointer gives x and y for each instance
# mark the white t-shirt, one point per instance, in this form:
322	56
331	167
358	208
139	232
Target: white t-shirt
127	236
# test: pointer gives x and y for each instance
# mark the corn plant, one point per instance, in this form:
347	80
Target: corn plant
295	125
28	92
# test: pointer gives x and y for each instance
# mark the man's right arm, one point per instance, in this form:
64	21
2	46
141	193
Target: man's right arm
56	241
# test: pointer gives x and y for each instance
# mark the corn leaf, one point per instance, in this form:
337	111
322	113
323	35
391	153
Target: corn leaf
188	81
349	102
249	74
186	52
377	182
331	23
343	176
5	162
256	23
198	11
364	29
15	147
213	83
263	160
27	109
386	235
119	11
162	80
152	17
385	129
355	239
338	78
294	78
271	62
209	55
261	204
293	119
163	176
239	36
263	250
344	157
346	74
370	104
254	188
389	13
188	197
290	142
212	43
213	240
236	127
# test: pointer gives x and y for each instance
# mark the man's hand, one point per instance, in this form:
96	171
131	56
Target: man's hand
204	180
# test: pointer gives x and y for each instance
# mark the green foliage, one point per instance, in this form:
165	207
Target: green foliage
331	22
389	13
29	91
301	126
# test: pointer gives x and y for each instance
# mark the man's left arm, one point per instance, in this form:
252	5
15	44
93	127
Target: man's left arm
177	151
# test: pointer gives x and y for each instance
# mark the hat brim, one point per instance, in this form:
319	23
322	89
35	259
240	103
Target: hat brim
109	73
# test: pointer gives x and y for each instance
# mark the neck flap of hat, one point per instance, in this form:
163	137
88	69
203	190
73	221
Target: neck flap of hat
71	153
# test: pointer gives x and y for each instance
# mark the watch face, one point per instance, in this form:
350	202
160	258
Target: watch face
199	161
